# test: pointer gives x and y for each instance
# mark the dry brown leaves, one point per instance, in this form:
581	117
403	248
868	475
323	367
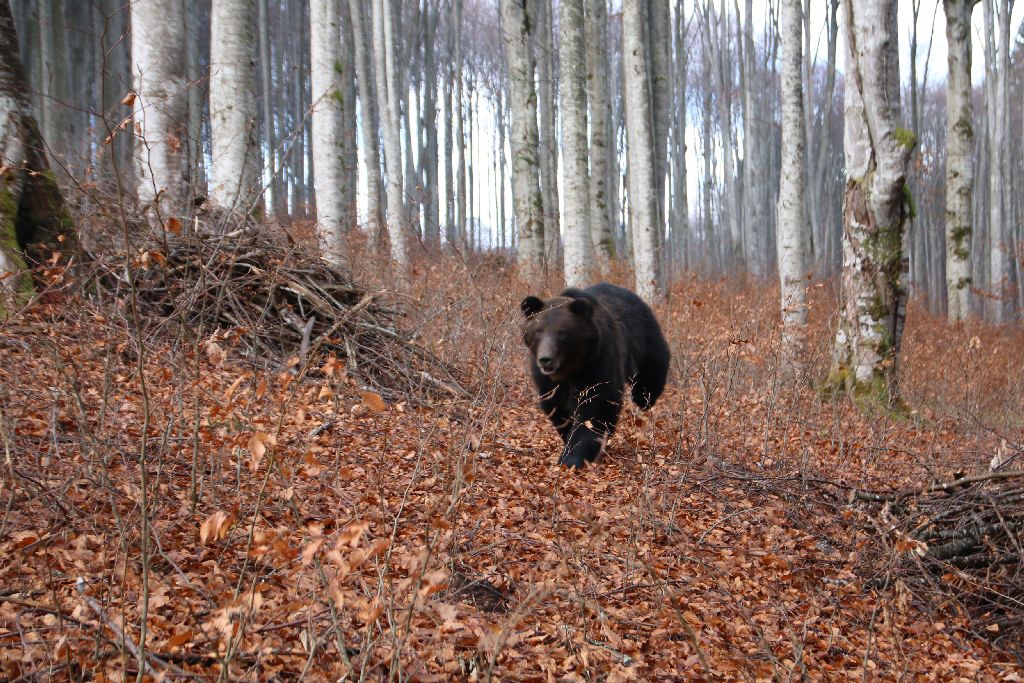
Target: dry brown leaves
305	526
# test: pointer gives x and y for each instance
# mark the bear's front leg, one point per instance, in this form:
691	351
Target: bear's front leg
593	422
556	404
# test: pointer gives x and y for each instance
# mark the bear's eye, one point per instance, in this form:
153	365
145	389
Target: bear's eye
563	335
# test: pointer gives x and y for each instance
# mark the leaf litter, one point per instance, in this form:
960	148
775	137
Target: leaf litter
313	526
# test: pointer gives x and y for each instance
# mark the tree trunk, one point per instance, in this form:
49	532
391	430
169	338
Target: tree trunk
368	130
431	196
236	159
161	107
578	259
31	207
997	18
459	113
597	99
540	24
959	148
659	24
391	127
875	208
328	125
196	19
350	161
269	134
680	215
527	199
643	210
791	221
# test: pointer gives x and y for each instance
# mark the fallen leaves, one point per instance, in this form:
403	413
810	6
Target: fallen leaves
216	527
449	529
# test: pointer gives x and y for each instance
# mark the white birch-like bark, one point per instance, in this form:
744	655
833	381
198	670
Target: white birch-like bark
459	123
328	121
791	219
577	254
350	162
431	88
544	58
391	128
959	162
527	200
367	130
997	27
680	207
235	171
161	106
596	33
275	204
659	23
876	204
643	210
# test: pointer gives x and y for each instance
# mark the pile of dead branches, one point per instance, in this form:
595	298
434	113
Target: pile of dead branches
280	303
961	539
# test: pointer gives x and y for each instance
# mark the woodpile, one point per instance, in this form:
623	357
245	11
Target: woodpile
281	304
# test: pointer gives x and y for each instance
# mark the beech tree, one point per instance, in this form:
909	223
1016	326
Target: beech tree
368	121
31	207
643	209
876	206
527	200
391	127
161	106
596	45
328	124
233	124
791	221
959	162
578	257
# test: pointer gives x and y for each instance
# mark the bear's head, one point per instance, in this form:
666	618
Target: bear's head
560	334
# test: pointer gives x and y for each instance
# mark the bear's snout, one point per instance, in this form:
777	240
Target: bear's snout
547	365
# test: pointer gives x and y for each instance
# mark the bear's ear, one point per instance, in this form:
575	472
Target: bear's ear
531	305
581	307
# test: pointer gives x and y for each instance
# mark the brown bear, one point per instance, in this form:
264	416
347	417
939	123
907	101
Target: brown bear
585	346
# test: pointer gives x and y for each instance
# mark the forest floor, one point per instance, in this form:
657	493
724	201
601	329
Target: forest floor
301	528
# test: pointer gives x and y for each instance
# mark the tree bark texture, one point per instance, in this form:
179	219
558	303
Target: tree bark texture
959	162
31	207
643	208
235	171
596	33
527	200
161	107
391	129
578	257
791	219
368	123
876	205
328	126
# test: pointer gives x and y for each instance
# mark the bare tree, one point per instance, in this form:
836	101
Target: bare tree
959	162
527	199
643	208
368	122
596	33
161	106
876	205
544	57
31	207
578	257
236	160
791	220
997	95
328	125
391	127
